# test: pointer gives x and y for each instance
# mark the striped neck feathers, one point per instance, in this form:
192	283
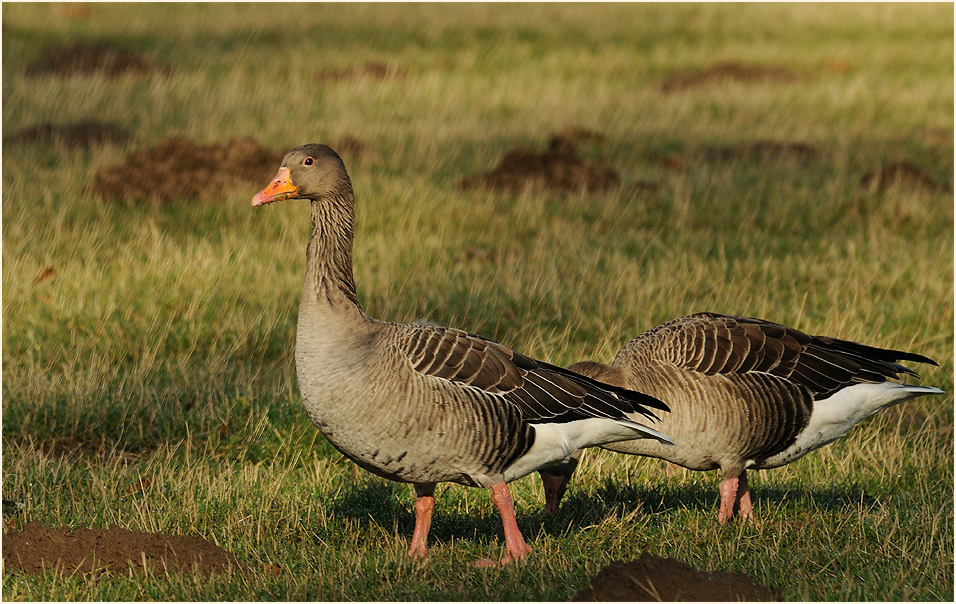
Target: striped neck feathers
329	253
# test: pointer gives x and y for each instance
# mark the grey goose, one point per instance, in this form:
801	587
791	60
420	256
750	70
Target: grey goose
745	393
421	403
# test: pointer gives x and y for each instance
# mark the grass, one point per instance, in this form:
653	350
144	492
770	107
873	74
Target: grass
161	348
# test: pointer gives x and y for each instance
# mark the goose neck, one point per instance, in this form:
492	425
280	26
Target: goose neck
329	253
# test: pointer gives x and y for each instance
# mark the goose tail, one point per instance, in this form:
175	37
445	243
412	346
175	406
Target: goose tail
645	432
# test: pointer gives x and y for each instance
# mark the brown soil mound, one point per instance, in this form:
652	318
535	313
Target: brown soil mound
73	10
739	72
763	151
350	148
78	135
373	70
37	547
178	168
900	173
650	578
559	168
82	58
758	151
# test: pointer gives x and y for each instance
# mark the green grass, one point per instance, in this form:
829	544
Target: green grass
162	345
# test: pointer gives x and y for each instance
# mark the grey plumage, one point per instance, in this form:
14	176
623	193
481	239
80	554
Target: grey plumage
422	403
747	393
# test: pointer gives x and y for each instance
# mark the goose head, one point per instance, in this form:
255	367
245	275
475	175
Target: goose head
311	172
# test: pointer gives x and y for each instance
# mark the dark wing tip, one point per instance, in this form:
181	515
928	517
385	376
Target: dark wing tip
637	400
918	358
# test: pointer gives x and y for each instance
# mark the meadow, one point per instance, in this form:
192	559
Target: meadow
148	375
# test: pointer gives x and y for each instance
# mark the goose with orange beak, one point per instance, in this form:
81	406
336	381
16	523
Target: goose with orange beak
280	188
425	404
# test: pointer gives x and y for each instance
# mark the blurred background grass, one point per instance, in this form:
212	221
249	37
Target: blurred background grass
161	344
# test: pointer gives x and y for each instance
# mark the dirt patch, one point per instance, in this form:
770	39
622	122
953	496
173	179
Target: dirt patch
560	168
77	135
758	151
48	272
763	151
69	447
85	58
73	10
577	134
939	136
672	163
729	71
837	66
350	148
36	548
373	70
899	174
178	168
667	580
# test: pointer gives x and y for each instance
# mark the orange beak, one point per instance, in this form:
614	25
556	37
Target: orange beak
280	188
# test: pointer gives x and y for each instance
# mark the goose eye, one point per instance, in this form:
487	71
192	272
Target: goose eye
308	161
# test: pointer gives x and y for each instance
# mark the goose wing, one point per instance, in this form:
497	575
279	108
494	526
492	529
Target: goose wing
541	391
711	343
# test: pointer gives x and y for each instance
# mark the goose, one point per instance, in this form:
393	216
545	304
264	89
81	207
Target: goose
421	403
745	393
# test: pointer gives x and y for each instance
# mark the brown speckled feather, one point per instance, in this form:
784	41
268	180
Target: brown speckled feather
746	393
754	380
711	343
542	392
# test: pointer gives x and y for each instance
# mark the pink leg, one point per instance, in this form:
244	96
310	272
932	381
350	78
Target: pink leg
514	543
743	497
553	487
734	492
424	504
728	497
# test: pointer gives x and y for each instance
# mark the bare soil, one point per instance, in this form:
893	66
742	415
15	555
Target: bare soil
178	168
96	58
76	135
763	150
373	70
560	168
350	148
71	447
901	173
36	548
728	71
650	578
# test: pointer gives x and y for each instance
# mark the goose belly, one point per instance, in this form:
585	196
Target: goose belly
404	430
702	454
379	436
710	428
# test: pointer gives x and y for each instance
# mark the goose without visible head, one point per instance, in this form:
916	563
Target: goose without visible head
745	393
423	403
